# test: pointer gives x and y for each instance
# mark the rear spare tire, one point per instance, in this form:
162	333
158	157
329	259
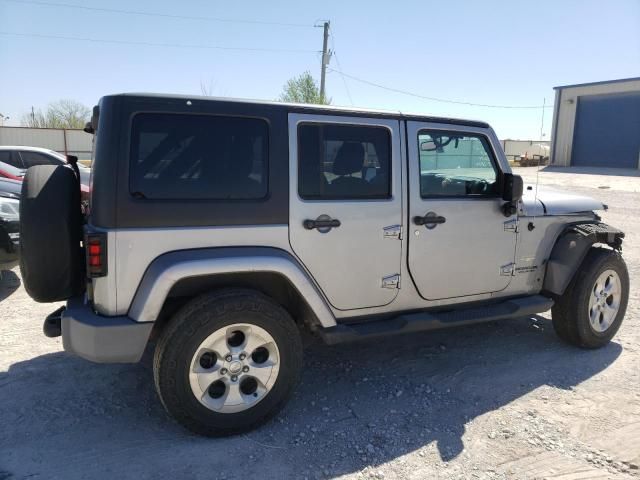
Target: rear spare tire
51	260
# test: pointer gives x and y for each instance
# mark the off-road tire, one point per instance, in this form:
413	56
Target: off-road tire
570	312
188	328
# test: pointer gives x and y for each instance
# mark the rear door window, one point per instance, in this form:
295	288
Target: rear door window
31	159
181	156
342	162
10	158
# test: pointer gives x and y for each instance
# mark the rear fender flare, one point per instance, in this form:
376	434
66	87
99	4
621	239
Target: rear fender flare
168	269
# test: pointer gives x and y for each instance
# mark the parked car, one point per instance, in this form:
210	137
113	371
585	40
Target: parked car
223	228
10	172
23	157
10	188
9	223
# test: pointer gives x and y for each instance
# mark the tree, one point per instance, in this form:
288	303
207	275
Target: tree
302	89
60	114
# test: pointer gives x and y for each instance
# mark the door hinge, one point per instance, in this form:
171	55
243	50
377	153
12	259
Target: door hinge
391	281
508	270
392	231
511	225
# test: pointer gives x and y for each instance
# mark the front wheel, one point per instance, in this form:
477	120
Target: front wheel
227	362
590	311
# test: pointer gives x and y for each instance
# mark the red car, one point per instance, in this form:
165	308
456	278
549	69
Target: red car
11	172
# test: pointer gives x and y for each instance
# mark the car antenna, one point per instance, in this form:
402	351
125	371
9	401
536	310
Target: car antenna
535	201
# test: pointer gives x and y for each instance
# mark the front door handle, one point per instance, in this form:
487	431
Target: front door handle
323	223
430	220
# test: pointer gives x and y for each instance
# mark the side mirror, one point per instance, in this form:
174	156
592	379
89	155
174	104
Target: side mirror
512	187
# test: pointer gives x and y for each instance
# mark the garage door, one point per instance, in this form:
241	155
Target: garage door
607	131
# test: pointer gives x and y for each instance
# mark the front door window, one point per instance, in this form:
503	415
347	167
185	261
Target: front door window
455	165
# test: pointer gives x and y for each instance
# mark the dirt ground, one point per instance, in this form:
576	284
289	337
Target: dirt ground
500	400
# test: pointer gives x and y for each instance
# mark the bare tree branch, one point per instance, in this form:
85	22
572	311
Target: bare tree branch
61	114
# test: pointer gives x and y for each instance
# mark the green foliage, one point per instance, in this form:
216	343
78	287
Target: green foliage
60	114
303	89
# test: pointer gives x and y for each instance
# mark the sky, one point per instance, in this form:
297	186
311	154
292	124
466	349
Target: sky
509	53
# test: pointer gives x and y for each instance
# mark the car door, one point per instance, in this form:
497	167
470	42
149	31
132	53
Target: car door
460	244
346	206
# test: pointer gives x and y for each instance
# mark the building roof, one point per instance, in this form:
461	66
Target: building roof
620	80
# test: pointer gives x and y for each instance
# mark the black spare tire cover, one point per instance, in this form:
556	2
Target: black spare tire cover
51	259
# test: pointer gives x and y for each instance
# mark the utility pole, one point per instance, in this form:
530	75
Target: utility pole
326	56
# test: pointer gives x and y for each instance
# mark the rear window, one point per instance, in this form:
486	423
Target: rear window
179	156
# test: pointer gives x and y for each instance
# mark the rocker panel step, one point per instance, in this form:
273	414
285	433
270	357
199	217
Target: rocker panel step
434	320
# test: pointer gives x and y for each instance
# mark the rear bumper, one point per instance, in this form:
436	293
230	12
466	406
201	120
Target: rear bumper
102	339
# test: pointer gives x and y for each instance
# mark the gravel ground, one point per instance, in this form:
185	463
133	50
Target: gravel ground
494	401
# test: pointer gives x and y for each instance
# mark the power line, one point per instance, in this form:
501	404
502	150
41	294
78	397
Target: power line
154	14
434	99
151	44
335	54
346	87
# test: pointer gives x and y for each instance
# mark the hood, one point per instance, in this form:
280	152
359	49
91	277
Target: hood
556	202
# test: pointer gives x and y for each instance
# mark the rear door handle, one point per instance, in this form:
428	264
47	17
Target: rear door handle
321	224
430	220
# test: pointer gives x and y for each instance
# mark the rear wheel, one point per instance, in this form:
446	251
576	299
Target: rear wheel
227	362
590	311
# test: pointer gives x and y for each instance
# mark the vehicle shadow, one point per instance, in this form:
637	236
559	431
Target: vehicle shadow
357	405
9	283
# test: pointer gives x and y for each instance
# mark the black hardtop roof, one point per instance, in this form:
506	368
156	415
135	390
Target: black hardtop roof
304	108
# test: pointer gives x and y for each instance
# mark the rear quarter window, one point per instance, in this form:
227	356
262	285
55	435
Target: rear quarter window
186	156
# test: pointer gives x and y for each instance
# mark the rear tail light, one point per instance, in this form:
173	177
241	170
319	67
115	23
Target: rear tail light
96	248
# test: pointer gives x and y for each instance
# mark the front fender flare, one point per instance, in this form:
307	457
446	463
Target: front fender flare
168	269
570	249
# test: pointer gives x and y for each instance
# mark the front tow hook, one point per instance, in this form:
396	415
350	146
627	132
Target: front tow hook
53	323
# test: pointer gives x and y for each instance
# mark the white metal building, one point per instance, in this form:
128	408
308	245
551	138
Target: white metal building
65	141
597	124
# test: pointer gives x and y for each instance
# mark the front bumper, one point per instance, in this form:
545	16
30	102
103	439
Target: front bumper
101	339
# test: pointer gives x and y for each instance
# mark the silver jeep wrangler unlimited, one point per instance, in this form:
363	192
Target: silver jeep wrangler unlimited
221	228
